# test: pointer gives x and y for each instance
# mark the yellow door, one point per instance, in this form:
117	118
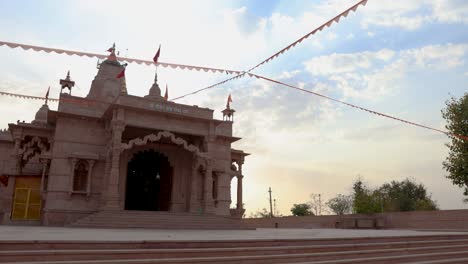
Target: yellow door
27	199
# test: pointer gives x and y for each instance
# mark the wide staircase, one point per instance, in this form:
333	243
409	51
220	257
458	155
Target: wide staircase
156	220
415	250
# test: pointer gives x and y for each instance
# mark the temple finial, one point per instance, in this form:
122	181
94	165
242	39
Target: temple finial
112	56
47	95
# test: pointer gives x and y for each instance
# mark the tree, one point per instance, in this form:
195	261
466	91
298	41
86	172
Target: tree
391	197
406	196
365	200
316	203
260	214
456	164
301	210
341	204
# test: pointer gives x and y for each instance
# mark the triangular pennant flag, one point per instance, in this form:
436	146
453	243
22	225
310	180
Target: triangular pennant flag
156	57
337	19
354	8
345	14
229	101
364	2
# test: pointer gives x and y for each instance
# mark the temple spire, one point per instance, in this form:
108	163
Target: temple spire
112	56
47	96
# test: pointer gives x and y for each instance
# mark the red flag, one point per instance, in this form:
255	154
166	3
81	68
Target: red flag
47	94
166	95
121	74
229	100
110	49
156	57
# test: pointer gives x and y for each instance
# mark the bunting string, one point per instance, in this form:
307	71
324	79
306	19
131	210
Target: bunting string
356	106
124	59
31	97
335	19
91	101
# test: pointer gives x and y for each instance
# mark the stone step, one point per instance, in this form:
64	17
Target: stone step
319	252
165	220
429	258
285	258
367	242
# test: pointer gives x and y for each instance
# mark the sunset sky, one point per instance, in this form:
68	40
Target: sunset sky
403	58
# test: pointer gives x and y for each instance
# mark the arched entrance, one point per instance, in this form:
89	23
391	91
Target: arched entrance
149	182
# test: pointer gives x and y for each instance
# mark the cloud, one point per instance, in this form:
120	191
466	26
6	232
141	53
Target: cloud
370	75
411	15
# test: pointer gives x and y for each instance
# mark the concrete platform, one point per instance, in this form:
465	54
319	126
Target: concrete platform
17	233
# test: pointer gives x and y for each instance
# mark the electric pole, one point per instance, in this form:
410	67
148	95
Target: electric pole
274	207
271	205
320	204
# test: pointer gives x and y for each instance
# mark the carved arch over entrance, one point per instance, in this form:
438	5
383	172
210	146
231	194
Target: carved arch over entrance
157	137
32	146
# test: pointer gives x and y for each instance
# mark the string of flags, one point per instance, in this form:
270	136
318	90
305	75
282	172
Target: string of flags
269	80
356	106
123	59
335	19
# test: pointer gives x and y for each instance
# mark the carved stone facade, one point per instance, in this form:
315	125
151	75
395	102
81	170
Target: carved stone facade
87	156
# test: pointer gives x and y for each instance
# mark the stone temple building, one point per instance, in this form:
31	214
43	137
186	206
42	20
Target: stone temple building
111	154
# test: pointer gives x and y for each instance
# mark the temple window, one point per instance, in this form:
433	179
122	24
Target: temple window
80	177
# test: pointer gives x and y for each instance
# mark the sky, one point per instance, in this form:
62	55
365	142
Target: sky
404	58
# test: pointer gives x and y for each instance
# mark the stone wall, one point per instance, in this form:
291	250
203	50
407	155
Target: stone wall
438	220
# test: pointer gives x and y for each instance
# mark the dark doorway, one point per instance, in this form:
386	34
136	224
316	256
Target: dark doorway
149	182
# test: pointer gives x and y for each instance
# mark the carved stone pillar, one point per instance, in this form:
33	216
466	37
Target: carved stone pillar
208	189
113	195
195	206
45	165
224	193
88	182
239	188
16	154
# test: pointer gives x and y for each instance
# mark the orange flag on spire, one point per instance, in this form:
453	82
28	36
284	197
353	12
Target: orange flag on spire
156	57
229	100
121	74
166	95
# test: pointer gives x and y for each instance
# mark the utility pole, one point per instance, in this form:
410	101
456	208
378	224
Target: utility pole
274	207
271	205
320	204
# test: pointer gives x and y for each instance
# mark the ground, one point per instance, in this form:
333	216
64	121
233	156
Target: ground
107	234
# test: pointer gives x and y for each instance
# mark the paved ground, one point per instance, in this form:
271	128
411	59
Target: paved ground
65	233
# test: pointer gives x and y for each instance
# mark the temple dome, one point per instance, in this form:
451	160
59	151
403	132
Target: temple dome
155	91
41	115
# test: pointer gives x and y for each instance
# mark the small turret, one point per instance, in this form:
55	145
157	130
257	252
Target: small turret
228	113
67	83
